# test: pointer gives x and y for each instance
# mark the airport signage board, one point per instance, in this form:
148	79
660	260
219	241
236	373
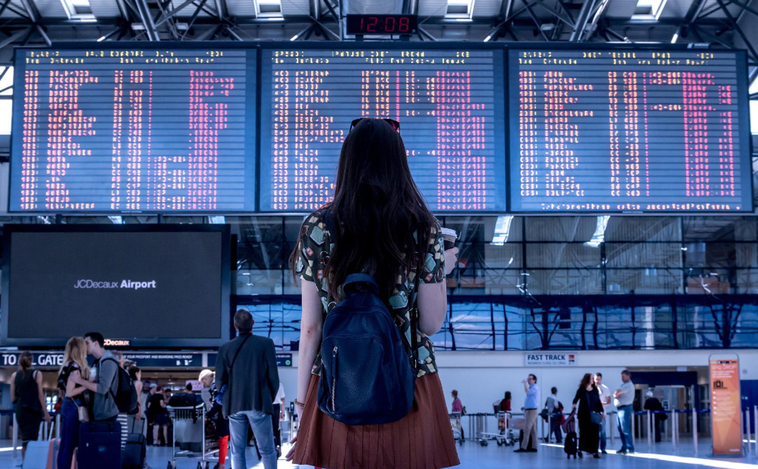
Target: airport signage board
143	360
550	359
282	359
726	418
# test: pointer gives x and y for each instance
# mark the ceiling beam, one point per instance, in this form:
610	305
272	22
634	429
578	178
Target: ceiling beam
147	21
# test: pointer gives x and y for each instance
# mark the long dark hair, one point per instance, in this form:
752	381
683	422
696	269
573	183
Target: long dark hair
376	210
25	362
586	380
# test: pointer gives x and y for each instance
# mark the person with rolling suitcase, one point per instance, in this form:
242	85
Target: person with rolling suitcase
100	439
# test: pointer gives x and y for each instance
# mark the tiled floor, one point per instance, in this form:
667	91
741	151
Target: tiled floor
474	456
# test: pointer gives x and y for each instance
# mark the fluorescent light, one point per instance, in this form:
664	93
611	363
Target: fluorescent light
502	230
101	39
217	220
116	220
271	9
78	10
649	9
488	38
294	38
459	10
675	38
599	236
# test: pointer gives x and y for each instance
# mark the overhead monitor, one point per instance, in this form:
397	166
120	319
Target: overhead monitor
629	131
138	285
133	129
449	102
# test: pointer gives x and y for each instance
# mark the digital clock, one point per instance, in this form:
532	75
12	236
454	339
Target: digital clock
381	24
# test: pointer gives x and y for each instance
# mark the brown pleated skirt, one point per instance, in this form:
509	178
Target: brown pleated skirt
423	439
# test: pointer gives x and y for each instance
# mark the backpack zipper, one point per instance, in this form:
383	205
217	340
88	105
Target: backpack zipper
334	377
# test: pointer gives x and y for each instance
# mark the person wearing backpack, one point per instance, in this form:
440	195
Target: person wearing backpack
100	439
247	373
372	264
103	380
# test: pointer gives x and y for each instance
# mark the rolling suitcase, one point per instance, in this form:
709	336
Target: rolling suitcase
135	450
42	453
570	445
99	445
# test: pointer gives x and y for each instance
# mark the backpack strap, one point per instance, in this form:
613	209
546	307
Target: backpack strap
116	379
231	366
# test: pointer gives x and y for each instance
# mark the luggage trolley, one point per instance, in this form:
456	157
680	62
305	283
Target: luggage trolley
191	414
504	435
455	422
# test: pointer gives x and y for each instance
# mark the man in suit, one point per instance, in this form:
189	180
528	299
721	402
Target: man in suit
247	368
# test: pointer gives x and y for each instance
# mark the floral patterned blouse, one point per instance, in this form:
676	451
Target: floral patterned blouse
314	246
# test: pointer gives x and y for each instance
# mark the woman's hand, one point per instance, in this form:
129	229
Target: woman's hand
451	260
291	455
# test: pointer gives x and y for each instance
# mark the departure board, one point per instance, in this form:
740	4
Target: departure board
629	131
133	130
449	102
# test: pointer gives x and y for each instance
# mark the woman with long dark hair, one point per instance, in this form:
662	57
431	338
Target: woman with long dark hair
588	398
381	227
29	398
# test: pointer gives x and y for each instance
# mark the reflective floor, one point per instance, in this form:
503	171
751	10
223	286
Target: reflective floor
474	456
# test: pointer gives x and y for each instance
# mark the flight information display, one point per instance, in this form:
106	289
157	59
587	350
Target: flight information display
134	130
628	131
450	104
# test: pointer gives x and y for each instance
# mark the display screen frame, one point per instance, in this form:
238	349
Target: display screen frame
746	141
251	116
353	28
501	85
152	342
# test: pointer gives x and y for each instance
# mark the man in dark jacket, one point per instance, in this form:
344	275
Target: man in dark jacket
247	368
654	405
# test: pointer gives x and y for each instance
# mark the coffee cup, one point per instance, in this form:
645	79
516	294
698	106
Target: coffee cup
449	236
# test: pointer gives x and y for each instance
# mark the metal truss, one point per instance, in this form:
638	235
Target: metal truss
531	20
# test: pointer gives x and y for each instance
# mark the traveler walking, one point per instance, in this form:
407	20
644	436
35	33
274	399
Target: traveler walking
377	225
158	414
74	401
135	422
623	398
654	405
29	400
457	407
589	414
555	412
530	414
247	367
215	415
605	399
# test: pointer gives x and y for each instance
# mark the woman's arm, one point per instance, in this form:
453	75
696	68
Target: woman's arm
310	337
41	395
71	387
577	396
138	388
13	388
432	299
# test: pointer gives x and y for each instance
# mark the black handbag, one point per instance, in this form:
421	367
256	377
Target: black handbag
595	417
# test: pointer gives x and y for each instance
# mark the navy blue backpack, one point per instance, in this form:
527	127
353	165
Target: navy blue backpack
367	377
